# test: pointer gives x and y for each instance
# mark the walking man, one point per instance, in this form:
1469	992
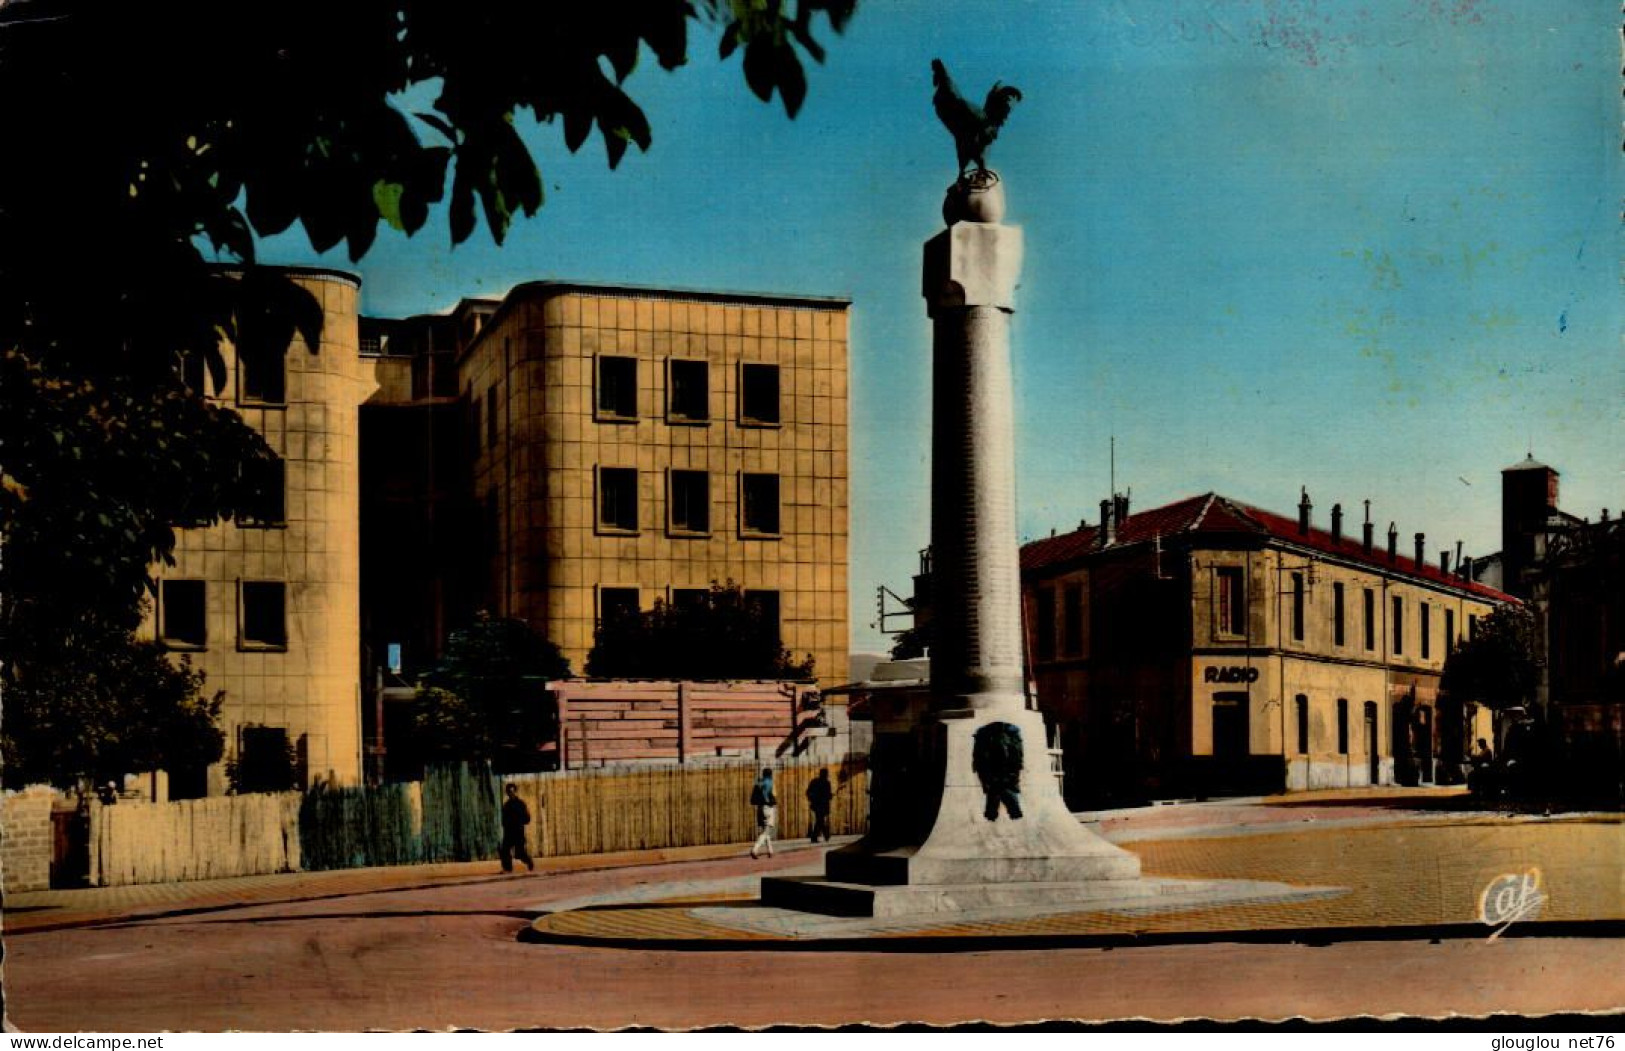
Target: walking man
515	816
819	794
767	812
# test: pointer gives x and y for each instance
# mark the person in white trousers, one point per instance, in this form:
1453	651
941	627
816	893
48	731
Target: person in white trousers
767	812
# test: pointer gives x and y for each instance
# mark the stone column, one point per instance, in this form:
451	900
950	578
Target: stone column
969	286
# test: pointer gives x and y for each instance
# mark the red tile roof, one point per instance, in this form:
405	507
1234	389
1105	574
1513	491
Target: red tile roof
1214	514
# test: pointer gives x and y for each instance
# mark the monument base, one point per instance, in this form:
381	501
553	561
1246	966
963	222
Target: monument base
967	860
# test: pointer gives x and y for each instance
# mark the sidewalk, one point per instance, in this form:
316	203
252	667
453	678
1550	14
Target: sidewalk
46	910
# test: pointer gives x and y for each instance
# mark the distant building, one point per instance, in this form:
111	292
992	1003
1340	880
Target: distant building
1208	646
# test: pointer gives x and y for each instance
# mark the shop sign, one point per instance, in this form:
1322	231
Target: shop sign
1230	673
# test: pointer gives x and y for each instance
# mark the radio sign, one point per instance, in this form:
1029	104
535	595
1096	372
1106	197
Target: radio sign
1230	673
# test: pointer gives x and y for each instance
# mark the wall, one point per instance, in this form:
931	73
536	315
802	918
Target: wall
25	839
194	839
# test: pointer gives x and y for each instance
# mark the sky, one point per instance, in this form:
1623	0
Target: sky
1367	248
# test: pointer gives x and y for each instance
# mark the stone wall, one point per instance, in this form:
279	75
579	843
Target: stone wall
25	839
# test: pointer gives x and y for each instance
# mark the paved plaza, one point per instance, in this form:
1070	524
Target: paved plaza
1392	926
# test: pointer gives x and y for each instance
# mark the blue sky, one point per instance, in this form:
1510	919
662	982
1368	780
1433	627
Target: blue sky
1370	248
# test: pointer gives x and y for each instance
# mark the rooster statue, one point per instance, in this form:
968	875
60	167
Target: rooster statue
973	129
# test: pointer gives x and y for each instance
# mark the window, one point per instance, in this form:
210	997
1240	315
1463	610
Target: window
1303	724
263	617
615	603
759	395
491	417
181	620
1449	631
261	378
766	605
474	427
267	493
688	391
1337	615
759	504
1422	626
1072	620
618	499
1472	625
1399	625
689	501
1370	619
688	598
1342	726
617	388
1297	606
193	373
1044	624
1231	589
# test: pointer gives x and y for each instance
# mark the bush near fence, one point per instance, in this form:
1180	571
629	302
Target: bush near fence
453	815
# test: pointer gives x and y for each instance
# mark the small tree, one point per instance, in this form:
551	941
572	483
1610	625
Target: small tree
723	635
484	702
1499	666
266	761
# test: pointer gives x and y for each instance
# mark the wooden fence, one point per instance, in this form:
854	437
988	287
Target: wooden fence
603	723
453	815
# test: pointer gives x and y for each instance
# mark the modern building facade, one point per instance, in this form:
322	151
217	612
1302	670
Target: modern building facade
1208	645
269	608
560	452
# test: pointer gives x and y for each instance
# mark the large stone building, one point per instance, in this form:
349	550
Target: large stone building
562	451
1208	645
269	608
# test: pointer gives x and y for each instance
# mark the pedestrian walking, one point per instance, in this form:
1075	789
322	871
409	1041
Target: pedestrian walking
515	816
819	793
767	812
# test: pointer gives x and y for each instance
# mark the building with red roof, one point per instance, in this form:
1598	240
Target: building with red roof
1208	646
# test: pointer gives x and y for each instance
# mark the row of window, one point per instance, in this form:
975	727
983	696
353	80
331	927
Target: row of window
262	614
1301	706
688	502
688	391
621	601
1231	614
261	379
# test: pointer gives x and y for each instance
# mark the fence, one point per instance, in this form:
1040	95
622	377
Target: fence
607	722
453	815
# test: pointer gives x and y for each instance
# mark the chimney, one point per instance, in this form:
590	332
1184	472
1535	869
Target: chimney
1393	542
1458	556
1366	529
1108	529
1464	567
1304	507
1421	549
1444	562
1120	508
1337	523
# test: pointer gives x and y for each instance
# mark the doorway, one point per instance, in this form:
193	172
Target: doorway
1230	736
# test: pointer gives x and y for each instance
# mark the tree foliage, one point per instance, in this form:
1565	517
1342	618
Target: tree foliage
484	701
723	635
97	704
1499	666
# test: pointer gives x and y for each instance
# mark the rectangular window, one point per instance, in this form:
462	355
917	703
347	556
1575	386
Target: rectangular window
263	615
491	417
615	603
267	493
1044	624
1472	625
1422	626
474	427
1303	724
688	391
1072	620
1297	606
617	388
618	499
1370	619
262	378
688	598
1342	726
182	623
193	373
759	395
759	504
1337	615
1231	589
1399	625
689	501
766	606
1449	631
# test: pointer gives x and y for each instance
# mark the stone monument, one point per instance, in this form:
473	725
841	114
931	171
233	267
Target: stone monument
966	811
